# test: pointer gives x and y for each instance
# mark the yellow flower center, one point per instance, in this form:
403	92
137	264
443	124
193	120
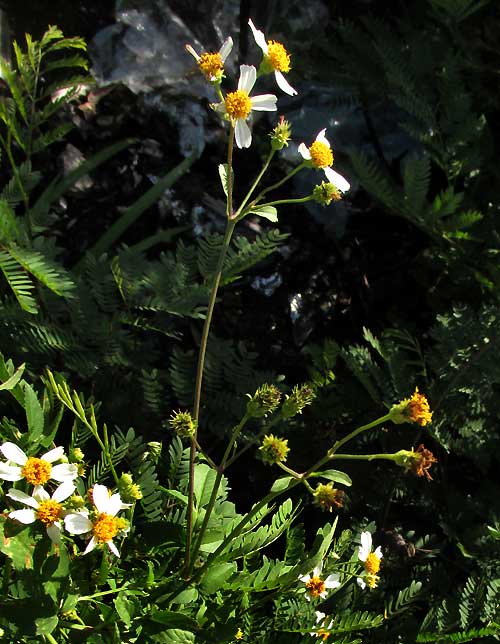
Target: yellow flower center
315	586
418	410
323	634
211	64
371	581
36	471
372	564
238	104
278	56
321	155
105	528
49	511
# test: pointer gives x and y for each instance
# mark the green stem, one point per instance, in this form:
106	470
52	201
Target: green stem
282	201
281	182
105	446
50	639
365	457
255	440
255	183
88	598
230	146
288	470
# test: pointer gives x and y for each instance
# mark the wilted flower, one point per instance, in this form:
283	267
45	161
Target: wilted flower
371	560
328	497
264	401
419	462
238	105
318	587
412	410
274	450
36	471
300	397
183	424
325	193
276	59
102	523
320	155
212	64
45	508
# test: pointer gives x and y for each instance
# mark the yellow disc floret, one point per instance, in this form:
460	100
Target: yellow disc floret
418	410
278	56
315	586
105	528
37	471
372	564
372	580
211	64
49	511
323	634
321	155
238	104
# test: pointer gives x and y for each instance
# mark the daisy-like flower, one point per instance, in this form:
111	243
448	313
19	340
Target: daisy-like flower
238	105
371	560
318	587
212	64
103	523
42	506
36	471
323	632
276	59
320	155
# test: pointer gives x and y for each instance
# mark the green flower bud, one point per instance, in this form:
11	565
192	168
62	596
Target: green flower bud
274	450
76	455
281	134
325	193
183	424
75	502
155	448
264	401
129	491
297	400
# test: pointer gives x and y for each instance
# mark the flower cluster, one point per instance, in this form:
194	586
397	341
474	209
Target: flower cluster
62	506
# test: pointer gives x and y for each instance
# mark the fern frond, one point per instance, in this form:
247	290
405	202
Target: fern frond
52	276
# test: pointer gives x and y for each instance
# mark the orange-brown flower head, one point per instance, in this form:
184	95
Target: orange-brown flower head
412	410
328	498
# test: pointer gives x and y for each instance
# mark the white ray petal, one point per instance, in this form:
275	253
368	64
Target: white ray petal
264	103
304	152
378	552
190	50
64	472
21	497
77	523
54	532
23	516
321	138
361	583
13	453
242	134
225	50
113	548
40	494
338	181
90	546
114	505
53	455
332	581
100	497
62	492
248	76
260	39
283	84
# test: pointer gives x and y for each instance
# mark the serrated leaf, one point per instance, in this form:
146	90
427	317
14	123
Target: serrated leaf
34	413
268	212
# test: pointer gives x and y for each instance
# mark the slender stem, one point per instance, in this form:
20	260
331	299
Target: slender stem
50	639
230	146
105	447
282	201
288	470
88	598
256	439
364	457
281	182
256	182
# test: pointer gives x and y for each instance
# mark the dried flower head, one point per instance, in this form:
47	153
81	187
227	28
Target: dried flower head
264	401
412	410
328	497
300	397
419	462
274	450
183	424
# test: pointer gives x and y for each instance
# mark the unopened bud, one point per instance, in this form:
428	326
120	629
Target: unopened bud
264	401
129	491
281	134
76	455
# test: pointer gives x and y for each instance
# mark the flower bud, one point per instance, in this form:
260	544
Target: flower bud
325	193
412	410
281	134
75	502
183	424
264	401
76	455
274	450
327	497
297	400
155	448
129	491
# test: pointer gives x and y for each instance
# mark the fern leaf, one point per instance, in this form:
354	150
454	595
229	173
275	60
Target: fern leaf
53	277
416	184
19	282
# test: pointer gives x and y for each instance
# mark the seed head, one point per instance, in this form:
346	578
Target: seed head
183	424
300	397
264	401
274	450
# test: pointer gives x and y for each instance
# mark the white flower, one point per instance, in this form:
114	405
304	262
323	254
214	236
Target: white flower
238	105
371	560
212	64
320	156
317	587
36	471
323	630
275	57
104	525
45	508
